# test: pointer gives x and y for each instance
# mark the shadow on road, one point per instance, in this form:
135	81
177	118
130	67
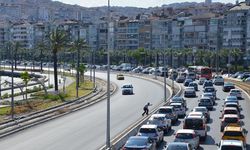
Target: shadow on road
209	141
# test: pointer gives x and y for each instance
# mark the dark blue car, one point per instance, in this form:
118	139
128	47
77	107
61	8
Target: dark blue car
139	142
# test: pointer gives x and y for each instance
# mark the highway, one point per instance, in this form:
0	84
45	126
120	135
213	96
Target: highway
86	129
214	134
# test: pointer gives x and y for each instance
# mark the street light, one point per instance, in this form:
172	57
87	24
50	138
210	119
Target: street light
108	83
165	69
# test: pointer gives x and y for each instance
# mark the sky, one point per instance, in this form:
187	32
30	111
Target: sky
134	3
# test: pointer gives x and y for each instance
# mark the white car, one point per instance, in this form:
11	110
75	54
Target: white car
197	124
161	121
187	136
218	80
127	89
231	145
200	114
153	132
179	108
235	92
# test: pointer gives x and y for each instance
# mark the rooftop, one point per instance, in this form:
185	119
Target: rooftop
240	6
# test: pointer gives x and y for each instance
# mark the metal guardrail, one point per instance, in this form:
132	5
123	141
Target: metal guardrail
132	130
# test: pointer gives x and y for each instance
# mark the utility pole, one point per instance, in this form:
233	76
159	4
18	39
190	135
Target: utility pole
12	82
78	63
108	82
165	69
172	66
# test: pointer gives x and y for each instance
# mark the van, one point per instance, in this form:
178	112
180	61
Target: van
196	123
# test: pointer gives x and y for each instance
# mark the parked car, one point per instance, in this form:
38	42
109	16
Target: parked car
187	136
153	132
179	108
201	81
228	86
139	142
189	92
127	89
193	84
204	110
206	102
179	146
169	113
231	145
196	123
235	92
218	80
161	121
229	119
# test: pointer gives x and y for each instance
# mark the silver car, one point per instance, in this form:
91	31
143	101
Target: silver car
187	136
161	121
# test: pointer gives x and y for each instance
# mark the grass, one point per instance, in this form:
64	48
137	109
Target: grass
41	102
85	88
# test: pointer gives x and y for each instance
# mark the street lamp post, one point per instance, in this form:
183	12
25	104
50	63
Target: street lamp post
12	83
172	66
94	69
108	82
165	69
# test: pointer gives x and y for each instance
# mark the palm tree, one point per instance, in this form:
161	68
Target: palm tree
236	53
16	49
58	39
78	46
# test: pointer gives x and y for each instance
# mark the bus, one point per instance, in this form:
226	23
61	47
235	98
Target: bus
201	71
204	72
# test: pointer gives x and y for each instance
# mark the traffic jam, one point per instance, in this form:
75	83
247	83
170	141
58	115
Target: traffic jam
184	122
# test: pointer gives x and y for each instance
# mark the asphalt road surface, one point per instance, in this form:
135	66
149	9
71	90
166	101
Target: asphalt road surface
86	129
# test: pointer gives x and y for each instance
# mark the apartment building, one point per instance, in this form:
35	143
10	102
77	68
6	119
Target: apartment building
127	34
23	33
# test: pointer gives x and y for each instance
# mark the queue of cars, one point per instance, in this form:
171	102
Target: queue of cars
195	126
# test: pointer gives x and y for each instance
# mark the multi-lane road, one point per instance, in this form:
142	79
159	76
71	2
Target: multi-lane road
214	134
85	129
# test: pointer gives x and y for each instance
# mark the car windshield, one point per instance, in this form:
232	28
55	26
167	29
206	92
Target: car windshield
147	130
231	147
209	89
200	110
164	111
231	120
195	124
127	86
136	141
230	112
154	121
184	136
205	71
177	147
205	101
232	133
176	106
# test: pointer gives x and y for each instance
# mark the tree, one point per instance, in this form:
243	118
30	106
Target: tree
26	78
16	48
82	69
236	53
58	39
